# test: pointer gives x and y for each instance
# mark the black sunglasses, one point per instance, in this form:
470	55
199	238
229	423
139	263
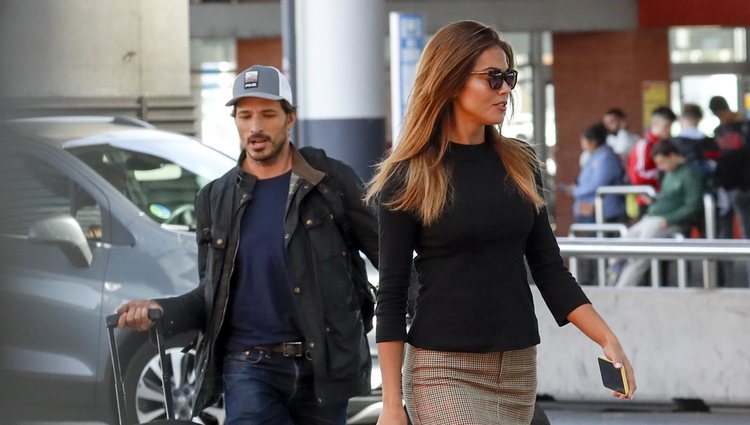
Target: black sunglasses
497	77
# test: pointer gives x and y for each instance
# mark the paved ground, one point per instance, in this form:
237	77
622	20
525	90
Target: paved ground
640	414
560	413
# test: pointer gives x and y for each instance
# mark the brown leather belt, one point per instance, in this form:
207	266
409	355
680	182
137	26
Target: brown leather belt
285	349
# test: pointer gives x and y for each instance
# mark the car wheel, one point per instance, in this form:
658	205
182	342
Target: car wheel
144	389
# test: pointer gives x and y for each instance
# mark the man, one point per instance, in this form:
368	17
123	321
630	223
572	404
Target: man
732	170
677	204
277	308
697	149
618	138
640	167
732	175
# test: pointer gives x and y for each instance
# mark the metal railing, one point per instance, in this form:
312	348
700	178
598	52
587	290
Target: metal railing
601	191
600	229
709	211
664	249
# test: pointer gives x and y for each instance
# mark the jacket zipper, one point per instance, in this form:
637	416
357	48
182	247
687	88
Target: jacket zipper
231	270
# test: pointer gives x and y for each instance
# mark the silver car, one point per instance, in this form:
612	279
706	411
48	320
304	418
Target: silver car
96	211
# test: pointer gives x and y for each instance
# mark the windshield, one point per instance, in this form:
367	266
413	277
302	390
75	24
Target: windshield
161	177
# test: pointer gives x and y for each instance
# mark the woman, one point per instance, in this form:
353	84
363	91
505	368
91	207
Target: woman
468	201
602	169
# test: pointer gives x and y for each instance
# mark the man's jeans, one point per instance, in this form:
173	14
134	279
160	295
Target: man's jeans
274	390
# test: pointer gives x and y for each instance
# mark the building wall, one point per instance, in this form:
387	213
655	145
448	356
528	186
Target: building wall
84	49
593	72
259	51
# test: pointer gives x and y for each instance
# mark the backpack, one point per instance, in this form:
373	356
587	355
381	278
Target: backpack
732	171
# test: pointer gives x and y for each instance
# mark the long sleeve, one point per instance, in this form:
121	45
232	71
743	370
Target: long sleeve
398	236
692	192
187	311
560	291
602	170
641	169
474	293
364	225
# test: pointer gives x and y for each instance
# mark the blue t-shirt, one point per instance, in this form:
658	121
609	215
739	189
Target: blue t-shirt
261	305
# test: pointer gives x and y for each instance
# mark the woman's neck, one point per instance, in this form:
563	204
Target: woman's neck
467	133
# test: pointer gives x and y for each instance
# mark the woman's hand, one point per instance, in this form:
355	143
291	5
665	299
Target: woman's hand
392	415
590	323
614	352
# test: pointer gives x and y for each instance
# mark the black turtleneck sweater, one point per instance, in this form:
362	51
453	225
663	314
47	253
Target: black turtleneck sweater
474	295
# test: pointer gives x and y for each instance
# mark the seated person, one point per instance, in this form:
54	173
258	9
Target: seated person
679	202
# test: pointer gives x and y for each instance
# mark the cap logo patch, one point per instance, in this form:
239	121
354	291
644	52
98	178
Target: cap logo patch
251	79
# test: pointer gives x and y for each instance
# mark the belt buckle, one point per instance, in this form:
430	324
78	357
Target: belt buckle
296	346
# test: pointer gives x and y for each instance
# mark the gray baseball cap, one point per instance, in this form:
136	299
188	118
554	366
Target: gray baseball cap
261	81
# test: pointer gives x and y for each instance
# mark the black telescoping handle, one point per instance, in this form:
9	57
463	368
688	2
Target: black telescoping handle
155	315
122	409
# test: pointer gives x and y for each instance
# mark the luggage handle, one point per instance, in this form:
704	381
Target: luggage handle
155	315
122	410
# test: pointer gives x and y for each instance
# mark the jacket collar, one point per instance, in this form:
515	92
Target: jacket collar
300	168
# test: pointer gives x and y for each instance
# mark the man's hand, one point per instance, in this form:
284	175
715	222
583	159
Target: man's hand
134	315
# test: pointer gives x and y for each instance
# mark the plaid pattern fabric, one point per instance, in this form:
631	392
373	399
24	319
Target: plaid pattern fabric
448	388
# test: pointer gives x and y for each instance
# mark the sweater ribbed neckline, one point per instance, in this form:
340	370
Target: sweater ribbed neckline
461	151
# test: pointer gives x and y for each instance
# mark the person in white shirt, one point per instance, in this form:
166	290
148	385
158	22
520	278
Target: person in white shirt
618	137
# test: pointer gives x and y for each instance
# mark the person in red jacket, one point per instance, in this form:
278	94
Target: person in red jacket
641	168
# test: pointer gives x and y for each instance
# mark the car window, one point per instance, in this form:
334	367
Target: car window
33	190
163	189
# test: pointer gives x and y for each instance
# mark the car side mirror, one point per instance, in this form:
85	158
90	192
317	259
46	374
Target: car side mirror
64	231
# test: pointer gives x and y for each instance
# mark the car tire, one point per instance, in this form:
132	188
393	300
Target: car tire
144	390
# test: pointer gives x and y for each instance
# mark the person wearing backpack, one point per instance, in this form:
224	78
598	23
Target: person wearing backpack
732	172
283	304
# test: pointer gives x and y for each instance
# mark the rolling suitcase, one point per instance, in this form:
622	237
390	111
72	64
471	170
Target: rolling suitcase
122	410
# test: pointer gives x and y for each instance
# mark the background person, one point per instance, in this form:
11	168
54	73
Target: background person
468	200
696	147
282	331
602	169
618	137
679	202
732	168
640	167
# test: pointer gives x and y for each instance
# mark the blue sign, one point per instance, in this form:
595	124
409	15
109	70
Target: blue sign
407	43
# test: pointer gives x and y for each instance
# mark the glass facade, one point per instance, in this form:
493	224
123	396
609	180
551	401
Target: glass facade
707	44
213	65
708	61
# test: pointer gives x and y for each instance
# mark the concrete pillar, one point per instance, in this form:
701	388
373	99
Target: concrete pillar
340	79
104	48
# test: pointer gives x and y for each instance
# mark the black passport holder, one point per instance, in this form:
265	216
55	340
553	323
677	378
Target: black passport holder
613	378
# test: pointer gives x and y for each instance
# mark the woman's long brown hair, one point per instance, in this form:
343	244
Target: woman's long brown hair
415	171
